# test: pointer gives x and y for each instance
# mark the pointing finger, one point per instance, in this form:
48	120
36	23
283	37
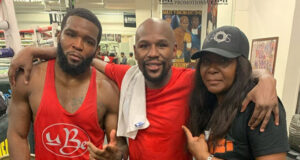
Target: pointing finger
187	132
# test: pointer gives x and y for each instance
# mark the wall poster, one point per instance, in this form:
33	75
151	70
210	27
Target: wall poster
187	28
212	11
263	53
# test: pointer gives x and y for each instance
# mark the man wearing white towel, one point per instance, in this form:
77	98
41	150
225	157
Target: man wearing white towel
166	92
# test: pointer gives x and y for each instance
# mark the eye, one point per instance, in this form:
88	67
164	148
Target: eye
224	61
205	61
162	45
70	34
143	46
90	42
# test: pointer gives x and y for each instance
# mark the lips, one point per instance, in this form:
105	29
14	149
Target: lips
74	57
153	66
213	82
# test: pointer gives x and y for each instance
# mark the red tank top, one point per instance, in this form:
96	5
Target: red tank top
62	135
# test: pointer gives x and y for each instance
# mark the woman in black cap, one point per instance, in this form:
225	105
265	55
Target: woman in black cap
223	79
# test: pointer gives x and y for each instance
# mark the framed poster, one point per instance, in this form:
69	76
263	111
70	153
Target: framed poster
263	53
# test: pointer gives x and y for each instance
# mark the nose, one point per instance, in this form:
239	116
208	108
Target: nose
153	52
78	44
212	68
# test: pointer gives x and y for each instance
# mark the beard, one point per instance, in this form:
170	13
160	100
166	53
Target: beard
68	68
158	79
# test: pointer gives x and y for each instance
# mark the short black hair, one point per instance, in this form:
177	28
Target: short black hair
86	14
131	54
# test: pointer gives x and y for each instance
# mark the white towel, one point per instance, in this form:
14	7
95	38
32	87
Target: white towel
132	107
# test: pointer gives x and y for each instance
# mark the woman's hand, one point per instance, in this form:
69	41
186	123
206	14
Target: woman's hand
196	145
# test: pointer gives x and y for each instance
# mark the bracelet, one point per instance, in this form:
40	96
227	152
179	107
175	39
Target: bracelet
210	157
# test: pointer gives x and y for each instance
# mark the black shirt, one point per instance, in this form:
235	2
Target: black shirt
242	143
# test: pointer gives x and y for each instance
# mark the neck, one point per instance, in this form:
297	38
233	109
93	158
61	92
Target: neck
160	84
68	78
220	98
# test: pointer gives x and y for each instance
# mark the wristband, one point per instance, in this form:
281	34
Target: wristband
210	157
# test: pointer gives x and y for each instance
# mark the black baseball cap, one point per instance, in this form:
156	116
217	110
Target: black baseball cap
226	41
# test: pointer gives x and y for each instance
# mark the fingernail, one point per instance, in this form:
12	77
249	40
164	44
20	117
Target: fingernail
262	130
26	82
277	124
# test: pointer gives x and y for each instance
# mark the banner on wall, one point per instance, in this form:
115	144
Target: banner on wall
129	20
212	11
187	28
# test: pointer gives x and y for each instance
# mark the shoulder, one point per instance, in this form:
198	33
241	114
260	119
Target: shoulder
40	67
273	140
106	85
116	72
116	68
107	91
183	72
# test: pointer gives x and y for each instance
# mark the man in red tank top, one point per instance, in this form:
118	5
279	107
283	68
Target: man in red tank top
167	92
71	105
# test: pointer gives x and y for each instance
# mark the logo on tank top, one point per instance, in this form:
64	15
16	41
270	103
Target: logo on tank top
65	140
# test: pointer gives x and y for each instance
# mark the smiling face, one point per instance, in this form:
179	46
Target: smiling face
77	45
154	50
217	73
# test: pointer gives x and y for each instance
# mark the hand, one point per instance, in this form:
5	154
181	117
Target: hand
265	98
21	60
196	145
109	151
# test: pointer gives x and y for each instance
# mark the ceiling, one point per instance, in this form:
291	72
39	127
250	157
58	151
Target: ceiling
32	6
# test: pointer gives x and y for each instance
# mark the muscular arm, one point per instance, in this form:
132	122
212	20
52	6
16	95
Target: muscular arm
19	116
23	59
116	147
111	118
41	52
99	65
265	97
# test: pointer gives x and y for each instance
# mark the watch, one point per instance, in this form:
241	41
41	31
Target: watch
210	157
